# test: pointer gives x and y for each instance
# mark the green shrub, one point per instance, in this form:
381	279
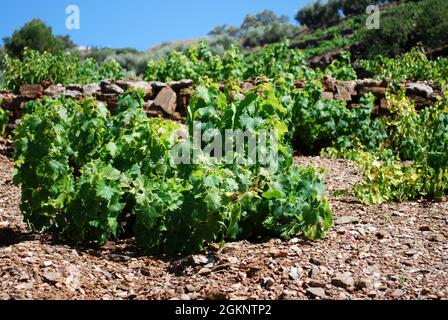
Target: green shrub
63	68
342	69
198	63
405	25
38	36
318	14
413	65
88	176
432	24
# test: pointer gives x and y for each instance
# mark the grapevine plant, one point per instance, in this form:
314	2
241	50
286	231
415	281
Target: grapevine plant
89	176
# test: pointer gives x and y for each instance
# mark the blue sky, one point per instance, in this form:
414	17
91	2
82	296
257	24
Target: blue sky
137	23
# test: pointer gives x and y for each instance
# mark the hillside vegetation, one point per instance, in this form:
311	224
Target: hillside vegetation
89	174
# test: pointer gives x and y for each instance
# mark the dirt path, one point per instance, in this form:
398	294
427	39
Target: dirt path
393	251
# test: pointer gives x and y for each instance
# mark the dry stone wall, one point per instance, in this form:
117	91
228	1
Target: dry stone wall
422	93
170	100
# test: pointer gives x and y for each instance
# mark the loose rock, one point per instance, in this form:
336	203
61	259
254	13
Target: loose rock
166	100
346	220
316	292
343	280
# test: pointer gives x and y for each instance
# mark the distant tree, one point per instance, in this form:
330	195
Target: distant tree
320	15
38	36
264	18
256	30
397	33
432	24
225	30
2	56
259	36
355	7
407	25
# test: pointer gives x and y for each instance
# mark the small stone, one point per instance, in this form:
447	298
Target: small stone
343	280
91	89
346	220
253	271
408	263
411	253
182	84
437	238
314	283
185	297
294	250
25	286
294	241
166	100
129	278
363	284
376	91
199	259
121	293
232	260
345	90
316	262
152	110
52	277
397	293
294	273
48	263
275	253
314	272
74	87
268	282
193	288
54	91
107	274
119	258
368	83
31	91
136	85
72	94
372	294
216	294
288	294
425	228
397	214
316	292
419	89
204	272
425	292
157	85
341	296
24	277
109	87
119	276
145	271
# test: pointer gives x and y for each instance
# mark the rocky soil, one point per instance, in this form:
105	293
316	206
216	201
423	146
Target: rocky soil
391	251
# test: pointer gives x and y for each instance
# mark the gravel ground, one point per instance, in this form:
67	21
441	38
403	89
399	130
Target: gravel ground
390	251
